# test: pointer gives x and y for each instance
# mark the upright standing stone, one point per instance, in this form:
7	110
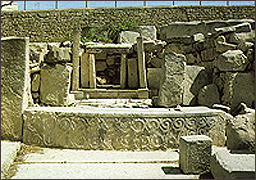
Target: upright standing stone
75	52
85	70
15	85
92	71
55	84
171	84
141	63
195	153
123	71
132	73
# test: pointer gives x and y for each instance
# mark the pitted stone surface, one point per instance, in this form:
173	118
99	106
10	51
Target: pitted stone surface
55	84
119	128
195	153
171	83
15	87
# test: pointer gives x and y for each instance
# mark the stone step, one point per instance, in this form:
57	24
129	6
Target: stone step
111	94
83	164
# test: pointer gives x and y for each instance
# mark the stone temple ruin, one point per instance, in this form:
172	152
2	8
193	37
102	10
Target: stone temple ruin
147	92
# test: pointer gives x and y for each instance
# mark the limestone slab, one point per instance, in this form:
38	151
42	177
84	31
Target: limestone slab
153	77
95	171
147	32
238	87
15	85
128	37
55	84
132	73
120	128
8	153
172	77
195	78
225	165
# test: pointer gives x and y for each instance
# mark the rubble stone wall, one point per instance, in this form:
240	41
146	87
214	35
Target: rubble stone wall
44	25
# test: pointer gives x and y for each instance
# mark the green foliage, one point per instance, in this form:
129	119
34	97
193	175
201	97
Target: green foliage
67	37
111	32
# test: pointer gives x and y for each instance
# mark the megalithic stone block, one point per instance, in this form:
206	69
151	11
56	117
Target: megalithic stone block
15	85
171	84
195	154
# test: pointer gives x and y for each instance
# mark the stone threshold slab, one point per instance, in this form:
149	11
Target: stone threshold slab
114	94
96	156
138	129
96	171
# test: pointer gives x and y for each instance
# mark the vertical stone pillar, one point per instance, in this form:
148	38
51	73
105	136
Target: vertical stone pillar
15	85
85	70
75	52
141	63
92	71
123	71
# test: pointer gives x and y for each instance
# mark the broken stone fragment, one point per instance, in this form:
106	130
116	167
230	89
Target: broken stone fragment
208	95
153	77
147	32
175	47
241	37
238	87
241	132
57	54
208	54
156	62
128	37
232	60
198	37
221	38
35	82
244	46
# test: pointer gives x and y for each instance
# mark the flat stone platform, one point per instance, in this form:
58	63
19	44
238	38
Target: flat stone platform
136	129
49	163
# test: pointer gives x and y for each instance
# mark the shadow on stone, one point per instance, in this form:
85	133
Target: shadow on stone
207	175
171	170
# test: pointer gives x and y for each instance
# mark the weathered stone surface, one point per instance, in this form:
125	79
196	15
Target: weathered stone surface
221	39
241	37
15	85
232	60
100	65
195	78
191	59
128	37
238	87
57	54
208	54
147	32
108	48
198	37
241	132
37	52
153	77
244	46
243	27
101	56
132	65
208	95
180	39
222	47
55	84
191	28
115	129
8	153
195	153
156	62
35	82
171	84
175	47
225	165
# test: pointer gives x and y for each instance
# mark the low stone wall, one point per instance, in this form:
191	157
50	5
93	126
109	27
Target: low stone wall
56	24
120	129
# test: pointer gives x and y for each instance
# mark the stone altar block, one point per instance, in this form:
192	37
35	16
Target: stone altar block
195	153
120	128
